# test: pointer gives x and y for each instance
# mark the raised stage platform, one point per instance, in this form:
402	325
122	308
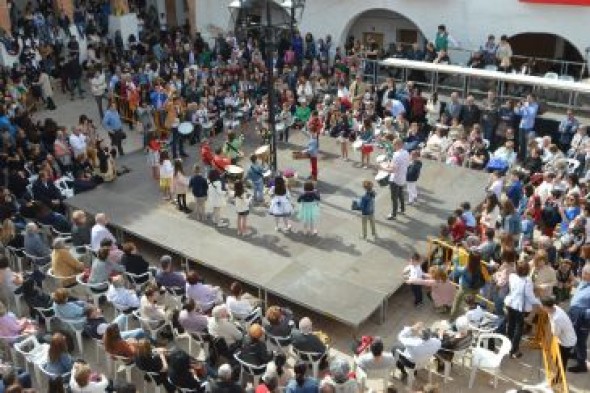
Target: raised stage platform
336	273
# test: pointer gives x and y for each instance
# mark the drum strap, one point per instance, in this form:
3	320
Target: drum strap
231	147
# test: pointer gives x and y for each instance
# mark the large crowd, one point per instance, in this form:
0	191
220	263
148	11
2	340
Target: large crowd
524	248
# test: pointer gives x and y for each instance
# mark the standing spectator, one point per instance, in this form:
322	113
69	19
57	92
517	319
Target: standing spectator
504	52
112	122
489	117
472	278
561	327
412	176
398	168
520	300
74	70
78	142
567	129
526	130
454	108
580	315
98	86
367	207
198	186
470	113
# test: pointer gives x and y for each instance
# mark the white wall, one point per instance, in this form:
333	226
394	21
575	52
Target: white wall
387	24
469	21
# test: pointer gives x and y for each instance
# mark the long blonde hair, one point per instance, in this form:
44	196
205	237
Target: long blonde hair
7	232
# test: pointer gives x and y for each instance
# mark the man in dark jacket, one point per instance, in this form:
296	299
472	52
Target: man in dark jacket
305	340
198	185
75	77
45	191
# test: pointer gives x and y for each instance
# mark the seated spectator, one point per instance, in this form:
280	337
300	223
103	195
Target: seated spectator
254	350
46	192
418	346
506	153
301	383
46	216
340	377
305	340
66	308
63	264
479	156
278	322
191	319
59	361
155	362
182	373
115	254
134	263
375	358
116	345
35	245
220	326
224	382
80	229
83	380
206	296
149	307
96	325
100	232
451	341
240	304
121	297
167	277
19	378
102	268
9	237
9	280
435	144
11	326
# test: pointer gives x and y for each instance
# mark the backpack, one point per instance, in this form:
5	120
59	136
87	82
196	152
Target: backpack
476	281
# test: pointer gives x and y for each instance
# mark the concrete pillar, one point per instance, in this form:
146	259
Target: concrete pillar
4	16
192	16
67	6
119	7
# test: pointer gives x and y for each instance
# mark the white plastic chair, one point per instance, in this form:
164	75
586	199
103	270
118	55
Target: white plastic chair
485	359
417	366
65	185
313	358
59	279
150	325
281	344
33	352
15	257
459	353
48	314
245	322
551	75
252	370
151	378
77	325
42	368
95	291
197	337
39	263
134	279
122	364
174	296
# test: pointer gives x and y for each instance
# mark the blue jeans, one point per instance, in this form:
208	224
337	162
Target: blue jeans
121	321
258	190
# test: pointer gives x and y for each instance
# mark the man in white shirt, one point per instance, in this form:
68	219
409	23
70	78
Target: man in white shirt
496	184
100	232
122	298
545	188
418	345
398	169
78	142
561	327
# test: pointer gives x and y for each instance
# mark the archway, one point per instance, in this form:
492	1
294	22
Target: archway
386	26
550	51
253	13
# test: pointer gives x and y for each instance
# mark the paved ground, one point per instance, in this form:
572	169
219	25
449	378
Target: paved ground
400	311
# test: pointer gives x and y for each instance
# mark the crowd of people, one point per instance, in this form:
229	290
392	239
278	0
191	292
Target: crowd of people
531	231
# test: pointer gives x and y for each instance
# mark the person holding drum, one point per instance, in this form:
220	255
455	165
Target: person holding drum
173	115
256	174
367	136
232	147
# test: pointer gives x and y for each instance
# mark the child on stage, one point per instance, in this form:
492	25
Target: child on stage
166	174
309	209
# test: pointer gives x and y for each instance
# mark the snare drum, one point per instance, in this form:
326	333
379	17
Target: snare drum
280	127
356	145
185	128
267	174
234	173
382	178
381	158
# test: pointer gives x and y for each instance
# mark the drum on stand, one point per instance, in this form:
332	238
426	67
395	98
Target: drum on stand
280	127
382	178
234	173
185	128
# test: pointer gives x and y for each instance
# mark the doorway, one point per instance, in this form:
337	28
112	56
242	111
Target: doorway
377	37
171	13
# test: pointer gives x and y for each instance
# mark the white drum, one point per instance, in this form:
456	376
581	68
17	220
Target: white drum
356	145
280	127
382	178
208	125
381	158
185	128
